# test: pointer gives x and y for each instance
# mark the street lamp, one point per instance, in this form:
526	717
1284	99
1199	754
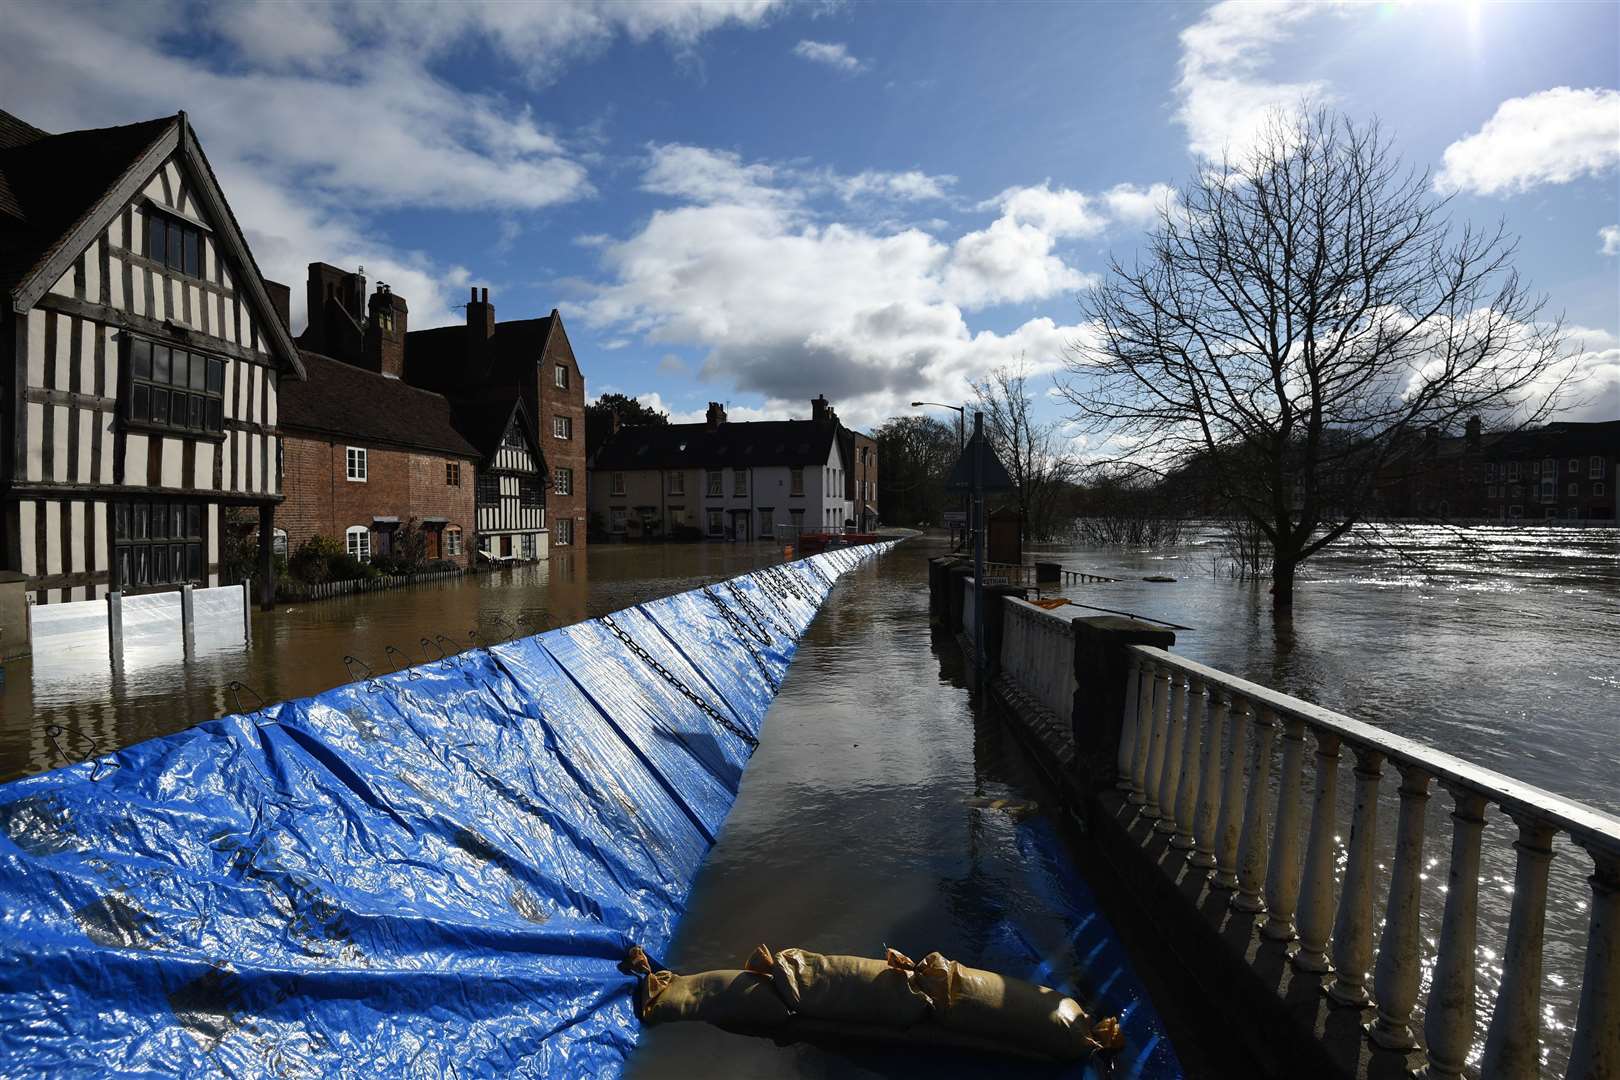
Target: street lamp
961	419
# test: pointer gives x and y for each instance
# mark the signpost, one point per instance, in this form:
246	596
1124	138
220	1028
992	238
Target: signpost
978	471
956	518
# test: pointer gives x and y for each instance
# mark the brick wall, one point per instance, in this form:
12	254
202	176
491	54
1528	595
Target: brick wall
569	454
865	471
399	483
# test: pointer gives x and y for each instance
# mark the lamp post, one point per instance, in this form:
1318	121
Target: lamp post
961	434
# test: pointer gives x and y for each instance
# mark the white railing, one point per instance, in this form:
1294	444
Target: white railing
1195	755
1037	653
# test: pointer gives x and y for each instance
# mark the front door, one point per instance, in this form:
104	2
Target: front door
506	545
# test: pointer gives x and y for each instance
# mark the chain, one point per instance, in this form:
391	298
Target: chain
816	570
774	590
744	633
674	680
784	581
761	619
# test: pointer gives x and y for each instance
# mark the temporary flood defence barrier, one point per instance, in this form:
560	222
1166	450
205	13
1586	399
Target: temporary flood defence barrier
434	872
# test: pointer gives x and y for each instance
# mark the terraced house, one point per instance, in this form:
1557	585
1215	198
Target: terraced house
140	362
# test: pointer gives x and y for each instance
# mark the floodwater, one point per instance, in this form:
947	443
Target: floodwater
853	828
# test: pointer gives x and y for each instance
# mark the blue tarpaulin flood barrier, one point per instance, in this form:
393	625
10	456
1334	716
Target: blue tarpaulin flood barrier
436	872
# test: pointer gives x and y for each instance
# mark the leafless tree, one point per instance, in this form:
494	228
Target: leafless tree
1299	321
1035	452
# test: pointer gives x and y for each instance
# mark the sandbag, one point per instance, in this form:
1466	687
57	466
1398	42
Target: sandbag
733	999
1006	1010
844	988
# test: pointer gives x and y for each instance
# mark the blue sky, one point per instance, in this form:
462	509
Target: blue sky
754	202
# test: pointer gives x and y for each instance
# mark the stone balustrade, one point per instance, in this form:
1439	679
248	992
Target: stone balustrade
1037	653
1195	754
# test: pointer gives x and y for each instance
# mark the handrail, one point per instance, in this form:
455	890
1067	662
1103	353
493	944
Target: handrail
1567	814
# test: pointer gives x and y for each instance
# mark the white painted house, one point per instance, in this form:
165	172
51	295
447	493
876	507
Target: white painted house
722	481
140	355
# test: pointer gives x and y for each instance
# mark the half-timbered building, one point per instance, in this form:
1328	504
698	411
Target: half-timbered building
140	357
510	500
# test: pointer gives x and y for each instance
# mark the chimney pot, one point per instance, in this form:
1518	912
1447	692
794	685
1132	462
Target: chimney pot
473	299
485	296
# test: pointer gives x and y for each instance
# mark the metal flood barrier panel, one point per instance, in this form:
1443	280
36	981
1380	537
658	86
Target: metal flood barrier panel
435	872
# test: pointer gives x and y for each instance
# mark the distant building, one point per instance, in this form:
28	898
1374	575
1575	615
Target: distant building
861	489
1561	470
142	358
532	357
722	480
511	494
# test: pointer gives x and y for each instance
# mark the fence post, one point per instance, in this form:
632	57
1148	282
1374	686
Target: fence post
188	622
115	629
247	614
1102	667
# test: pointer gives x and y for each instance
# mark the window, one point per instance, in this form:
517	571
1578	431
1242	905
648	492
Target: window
357	464
526	545
487	492
357	540
1597	487
714	481
798	520
562	532
1490	470
1549	488
617	486
452	473
385	320
716	525
562	481
1574	464
796	480
1574	490
1513	470
677	483
739	482
173	243
616	519
765	523
173	388
559	376
158	543
452	540
529	492
278	542
1595	468
562	427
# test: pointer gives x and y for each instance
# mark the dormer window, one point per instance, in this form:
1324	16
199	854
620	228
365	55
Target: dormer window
174	243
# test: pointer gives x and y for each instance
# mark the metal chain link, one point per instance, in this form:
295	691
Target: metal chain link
744	633
675	681
761	619
785	581
816	570
778	595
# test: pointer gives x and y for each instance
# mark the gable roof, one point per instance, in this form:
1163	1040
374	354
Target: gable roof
482	419
438	357
58	192
699	446
347	402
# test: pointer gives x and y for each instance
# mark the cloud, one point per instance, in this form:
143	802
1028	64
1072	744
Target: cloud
908	186
786	303
1610	235
1064	212
835	54
671	364
1224	97
1595	360
1551	137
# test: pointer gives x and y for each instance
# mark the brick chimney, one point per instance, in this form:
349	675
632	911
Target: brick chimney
385	332
820	409
336	303
280	299
716	414
1473	429
480	328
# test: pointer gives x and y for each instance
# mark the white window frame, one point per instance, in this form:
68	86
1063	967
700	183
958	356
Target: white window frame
1575	465
616	519
452	474
617	486
562	427
357	542
739	483
716	522
526	547
562	532
716	483
1574	489
677	483
1597	488
562	480
796	480
452	540
355	465
1595	468
559	376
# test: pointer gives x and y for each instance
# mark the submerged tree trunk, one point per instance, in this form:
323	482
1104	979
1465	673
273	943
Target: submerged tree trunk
1282	582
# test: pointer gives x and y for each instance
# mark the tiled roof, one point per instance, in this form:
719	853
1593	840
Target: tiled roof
482	420
347	402
49	183
699	446
437	358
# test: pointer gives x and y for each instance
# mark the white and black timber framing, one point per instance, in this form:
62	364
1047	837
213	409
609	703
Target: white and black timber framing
83	478
511	493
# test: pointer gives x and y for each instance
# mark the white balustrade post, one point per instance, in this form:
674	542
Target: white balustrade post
1352	930
1175	735
1282	877
1161	732
1209	785
1399	967
1252	849
1316	890
1127	727
1448	1021
1144	735
1192	744
1596	1052
1513	1041
1230	824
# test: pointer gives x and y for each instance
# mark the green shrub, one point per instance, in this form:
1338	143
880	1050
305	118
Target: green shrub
311	563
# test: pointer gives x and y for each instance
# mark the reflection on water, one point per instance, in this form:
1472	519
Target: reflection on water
298	649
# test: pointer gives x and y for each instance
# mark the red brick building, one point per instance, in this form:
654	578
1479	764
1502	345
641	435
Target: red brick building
861	482
364	454
534	358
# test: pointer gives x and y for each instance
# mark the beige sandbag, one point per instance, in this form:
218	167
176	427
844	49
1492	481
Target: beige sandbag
1005	1010
733	999
847	988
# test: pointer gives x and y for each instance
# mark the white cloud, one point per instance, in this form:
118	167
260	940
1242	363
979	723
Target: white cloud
1224	96
908	186
1064	212
1551	137
1610	235
834	54
671	364
787	305
1596	364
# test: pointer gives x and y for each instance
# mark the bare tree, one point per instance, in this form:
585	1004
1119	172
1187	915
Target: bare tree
916	453
1298	324
1035	452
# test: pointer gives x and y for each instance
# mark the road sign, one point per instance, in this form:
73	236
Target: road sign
956	517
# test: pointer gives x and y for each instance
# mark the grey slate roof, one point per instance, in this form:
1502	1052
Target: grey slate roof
342	401
699	446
